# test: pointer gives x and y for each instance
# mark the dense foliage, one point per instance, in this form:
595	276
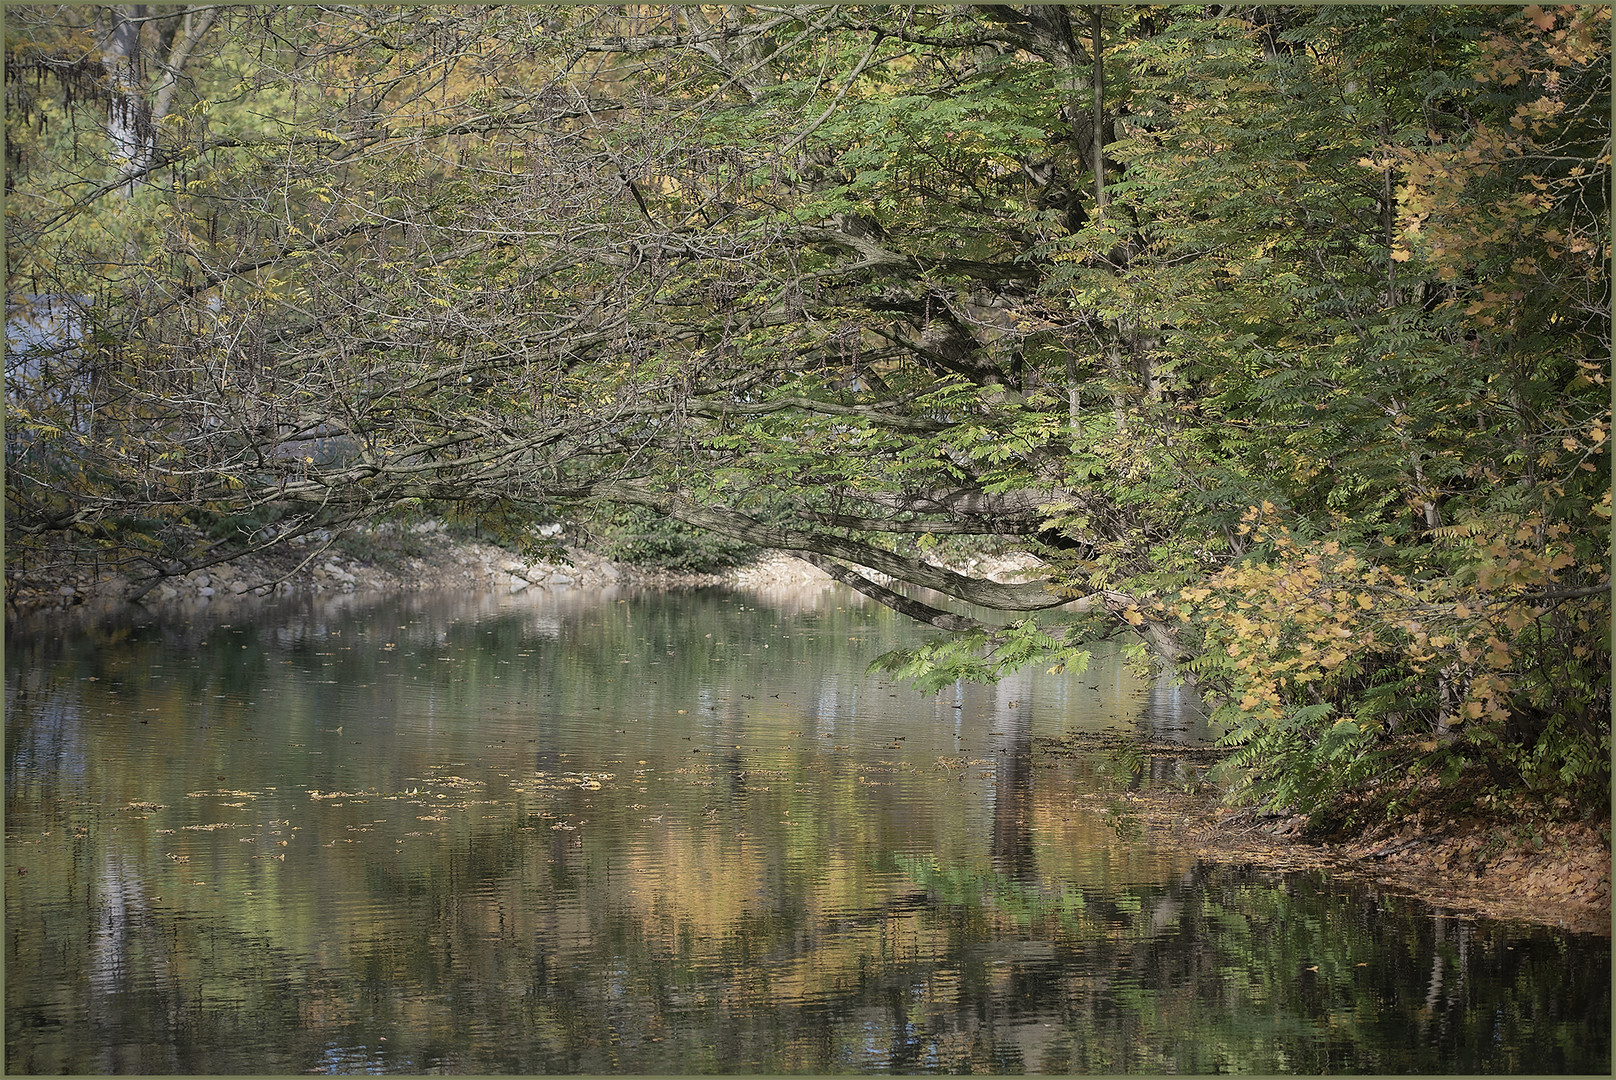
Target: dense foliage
1281	334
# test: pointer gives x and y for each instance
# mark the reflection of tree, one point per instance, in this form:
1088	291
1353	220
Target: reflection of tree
127	954
875	931
519	953
1174	712
1012	847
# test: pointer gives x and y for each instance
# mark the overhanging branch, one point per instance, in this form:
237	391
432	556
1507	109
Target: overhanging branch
1002	596
903	605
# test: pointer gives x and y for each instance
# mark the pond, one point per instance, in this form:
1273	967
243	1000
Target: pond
672	833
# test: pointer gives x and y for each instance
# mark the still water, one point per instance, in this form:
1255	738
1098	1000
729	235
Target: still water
676	833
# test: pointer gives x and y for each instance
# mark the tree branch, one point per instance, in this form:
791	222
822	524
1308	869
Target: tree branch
829	408
1002	596
903	605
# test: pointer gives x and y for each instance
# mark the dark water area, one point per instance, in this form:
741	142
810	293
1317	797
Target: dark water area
677	833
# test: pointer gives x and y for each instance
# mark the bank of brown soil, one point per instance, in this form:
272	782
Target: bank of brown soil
1466	864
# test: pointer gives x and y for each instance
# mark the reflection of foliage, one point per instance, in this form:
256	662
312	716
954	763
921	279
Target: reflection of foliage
1123	821
813	923
1022	904
1235	971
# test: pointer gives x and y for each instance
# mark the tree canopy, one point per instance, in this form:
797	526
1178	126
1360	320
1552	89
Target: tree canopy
1279	334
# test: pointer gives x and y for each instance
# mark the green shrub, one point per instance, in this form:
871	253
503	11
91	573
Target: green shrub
643	538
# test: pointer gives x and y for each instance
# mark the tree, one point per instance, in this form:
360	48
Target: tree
1193	305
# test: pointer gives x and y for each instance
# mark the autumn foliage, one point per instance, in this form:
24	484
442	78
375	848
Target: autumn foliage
1480	637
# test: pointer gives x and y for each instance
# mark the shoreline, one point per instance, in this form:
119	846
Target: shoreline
1466	866
1564	884
419	558
468	566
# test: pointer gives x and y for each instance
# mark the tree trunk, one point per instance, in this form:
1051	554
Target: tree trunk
128	119
132	115
1099	109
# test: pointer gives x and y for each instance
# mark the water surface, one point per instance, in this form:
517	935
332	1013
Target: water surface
675	833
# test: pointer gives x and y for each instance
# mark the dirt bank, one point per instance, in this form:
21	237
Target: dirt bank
1464	864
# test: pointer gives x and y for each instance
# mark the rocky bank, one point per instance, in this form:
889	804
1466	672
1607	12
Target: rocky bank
423	557
431	560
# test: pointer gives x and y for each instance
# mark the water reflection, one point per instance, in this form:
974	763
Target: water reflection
669	834
1010	739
